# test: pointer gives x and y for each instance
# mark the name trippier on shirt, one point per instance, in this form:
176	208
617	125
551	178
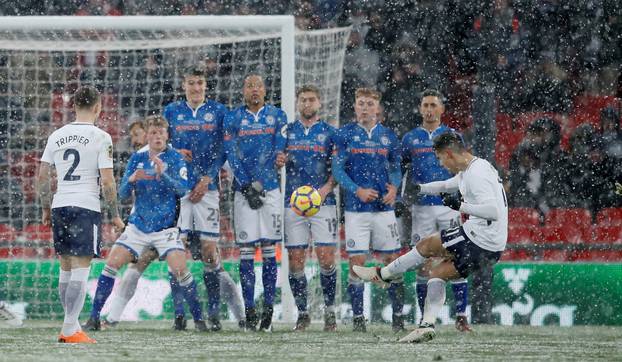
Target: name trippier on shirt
72	138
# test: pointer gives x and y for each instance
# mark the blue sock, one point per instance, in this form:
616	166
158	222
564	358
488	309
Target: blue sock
268	277
396	294
422	291
104	288
177	294
247	279
356	298
328	280
189	288
212	284
298	283
461	295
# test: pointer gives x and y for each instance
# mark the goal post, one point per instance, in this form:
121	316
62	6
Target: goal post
136	63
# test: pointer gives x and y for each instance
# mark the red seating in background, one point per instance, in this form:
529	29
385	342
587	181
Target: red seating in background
7	233
505	145
573	223
524	216
38	232
609	217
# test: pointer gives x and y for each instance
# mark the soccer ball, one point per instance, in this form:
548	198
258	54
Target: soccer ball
305	201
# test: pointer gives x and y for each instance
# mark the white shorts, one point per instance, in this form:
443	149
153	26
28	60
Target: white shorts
430	219
261	225
204	216
376	228
320	228
163	241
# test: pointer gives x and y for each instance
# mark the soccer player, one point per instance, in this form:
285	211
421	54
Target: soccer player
367	166
429	215
82	155
158	178
465	248
309	154
196	130
253	137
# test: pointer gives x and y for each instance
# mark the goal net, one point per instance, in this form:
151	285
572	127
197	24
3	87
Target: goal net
135	62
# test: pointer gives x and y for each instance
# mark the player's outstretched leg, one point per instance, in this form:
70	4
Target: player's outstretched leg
247	279
268	276
460	289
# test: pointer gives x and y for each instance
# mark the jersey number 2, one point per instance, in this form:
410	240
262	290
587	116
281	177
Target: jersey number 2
69	176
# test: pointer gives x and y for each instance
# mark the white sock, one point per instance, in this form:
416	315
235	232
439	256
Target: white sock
63	281
400	265
434	300
231	295
74	300
126	291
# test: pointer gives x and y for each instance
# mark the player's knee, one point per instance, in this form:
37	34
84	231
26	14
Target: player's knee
353	279
247	253
268	251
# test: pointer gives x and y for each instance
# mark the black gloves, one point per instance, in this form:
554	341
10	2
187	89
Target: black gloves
253	193
452	201
400	208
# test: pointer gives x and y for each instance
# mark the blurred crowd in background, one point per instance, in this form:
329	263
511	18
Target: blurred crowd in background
555	67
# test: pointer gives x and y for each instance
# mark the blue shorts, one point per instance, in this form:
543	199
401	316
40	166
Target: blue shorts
77	231
467	256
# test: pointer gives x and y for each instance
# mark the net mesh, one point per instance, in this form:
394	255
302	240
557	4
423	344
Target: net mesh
137	72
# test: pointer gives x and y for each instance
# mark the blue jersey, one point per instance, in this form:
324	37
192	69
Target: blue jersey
200	131
156	199
368	160
424	166
252	142
309	154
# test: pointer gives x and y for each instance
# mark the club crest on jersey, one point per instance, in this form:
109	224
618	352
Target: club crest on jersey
270	120
242	235
208	117
110	151
384	140
321	137
350	243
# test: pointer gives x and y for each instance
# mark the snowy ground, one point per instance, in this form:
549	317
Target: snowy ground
151	341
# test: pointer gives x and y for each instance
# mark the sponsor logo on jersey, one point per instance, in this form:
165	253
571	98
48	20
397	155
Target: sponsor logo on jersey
291	136
244	122
110	151
180	117
356	138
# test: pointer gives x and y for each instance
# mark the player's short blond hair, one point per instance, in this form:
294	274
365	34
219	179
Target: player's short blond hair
367	92
137	123
156	121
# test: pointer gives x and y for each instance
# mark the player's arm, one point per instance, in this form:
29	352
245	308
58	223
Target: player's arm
395	173
45	192
109	185
109	190
129	179
339	173
280	141
438	187
231	150
175	177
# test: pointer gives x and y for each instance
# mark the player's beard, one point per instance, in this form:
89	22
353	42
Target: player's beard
309	115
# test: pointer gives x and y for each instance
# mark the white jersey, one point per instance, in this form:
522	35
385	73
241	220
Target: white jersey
78	150
480	184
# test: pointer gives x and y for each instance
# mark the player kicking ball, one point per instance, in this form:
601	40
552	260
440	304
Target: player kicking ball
158	178
465	248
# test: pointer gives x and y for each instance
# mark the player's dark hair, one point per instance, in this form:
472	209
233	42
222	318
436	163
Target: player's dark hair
308	88
449	141
156	121
86	97
433	93
254	74
195	71
137	123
